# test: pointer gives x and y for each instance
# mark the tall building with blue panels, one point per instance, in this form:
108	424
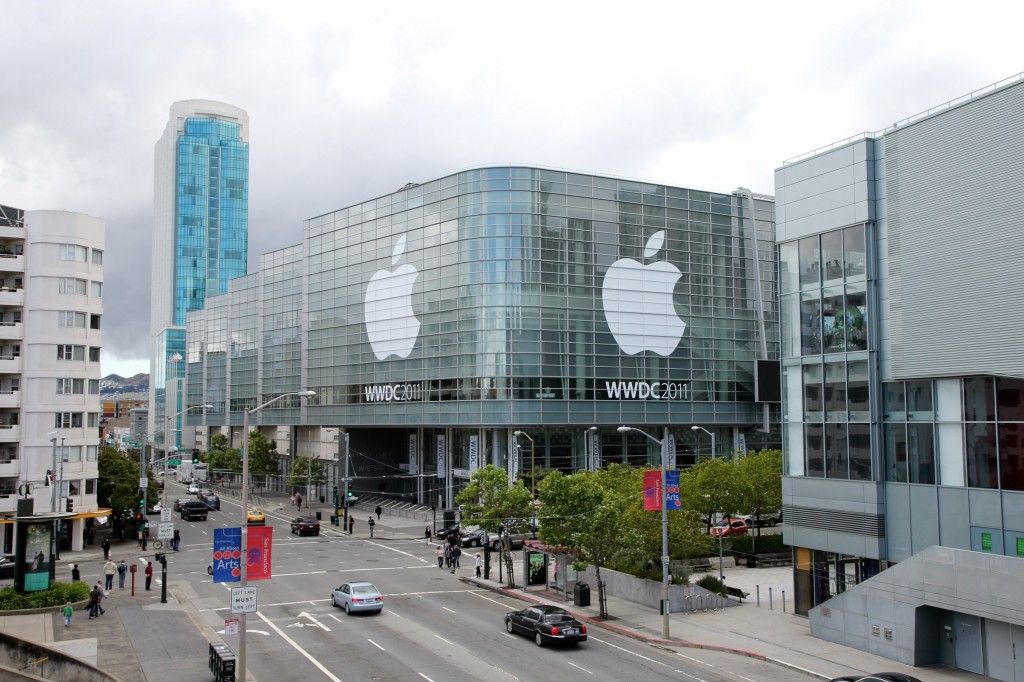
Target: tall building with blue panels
903	385
200	239
436	321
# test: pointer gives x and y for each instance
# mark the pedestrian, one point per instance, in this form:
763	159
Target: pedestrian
76	575
140	537
106	548
456	553
149	574
479	566
447	555
109	569
371	523
68	610
378	511
91	606
176	540
122	572
95	597
145	541
298	501
351	524
440	556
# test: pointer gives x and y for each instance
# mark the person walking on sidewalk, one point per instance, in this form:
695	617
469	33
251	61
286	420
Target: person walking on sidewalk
106	548
109	569
479	566
298	501
76	575
122	571
456	553
139	534
149	574
440	556
176	540
68	610
378	511
371	523
351	523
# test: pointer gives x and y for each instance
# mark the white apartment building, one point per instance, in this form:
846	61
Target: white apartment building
51	310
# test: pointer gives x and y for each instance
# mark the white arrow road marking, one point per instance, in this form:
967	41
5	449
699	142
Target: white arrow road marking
315	621
298	648
376	645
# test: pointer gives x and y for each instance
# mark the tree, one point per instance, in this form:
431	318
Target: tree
713	487
118	483
222	458
489	500
263	457
307	470
762	473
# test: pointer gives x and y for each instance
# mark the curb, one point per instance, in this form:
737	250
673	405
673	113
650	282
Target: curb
653	641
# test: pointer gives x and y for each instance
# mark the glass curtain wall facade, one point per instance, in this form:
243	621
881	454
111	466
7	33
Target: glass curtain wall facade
514	298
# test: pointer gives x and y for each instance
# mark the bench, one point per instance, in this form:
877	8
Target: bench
697	564
736	592
778	559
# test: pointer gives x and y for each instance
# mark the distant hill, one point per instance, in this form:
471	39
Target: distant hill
114	384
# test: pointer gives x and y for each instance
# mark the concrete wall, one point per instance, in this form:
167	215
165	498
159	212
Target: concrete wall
18	654
681	598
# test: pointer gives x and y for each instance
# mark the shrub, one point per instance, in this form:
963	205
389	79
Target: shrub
712	584
766	544
55	596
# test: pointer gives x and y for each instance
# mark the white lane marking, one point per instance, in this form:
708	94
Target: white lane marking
411	556
482	596
298	648
248	629
425	677
633	653
442	639
376	645
447	609
334	617
508	634
314	602
310	617
576	666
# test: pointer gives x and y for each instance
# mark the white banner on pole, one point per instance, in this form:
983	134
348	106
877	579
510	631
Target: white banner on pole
412	454
514	474
671	452
441	467
474	454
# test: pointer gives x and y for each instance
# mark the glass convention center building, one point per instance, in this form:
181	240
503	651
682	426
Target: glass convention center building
437	321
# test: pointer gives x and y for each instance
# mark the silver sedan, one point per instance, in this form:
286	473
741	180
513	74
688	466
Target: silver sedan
358	597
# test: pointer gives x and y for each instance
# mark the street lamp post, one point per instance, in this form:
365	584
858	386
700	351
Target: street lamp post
663	443
701	428
589	451
244	578
533	481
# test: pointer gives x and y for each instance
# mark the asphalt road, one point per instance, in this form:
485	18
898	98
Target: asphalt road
434	626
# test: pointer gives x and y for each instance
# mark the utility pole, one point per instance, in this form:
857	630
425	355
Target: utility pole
345	499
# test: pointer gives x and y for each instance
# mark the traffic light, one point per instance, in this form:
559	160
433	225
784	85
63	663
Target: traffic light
348	498
69	505
195	456
161	559
142	505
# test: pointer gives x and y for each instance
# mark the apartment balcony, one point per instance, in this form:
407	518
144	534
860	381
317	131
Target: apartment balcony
10	467
10	399
9	495
9	296
11	233
12	331
12	264
10	433
10	364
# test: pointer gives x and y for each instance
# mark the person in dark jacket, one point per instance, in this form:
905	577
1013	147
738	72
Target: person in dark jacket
378	511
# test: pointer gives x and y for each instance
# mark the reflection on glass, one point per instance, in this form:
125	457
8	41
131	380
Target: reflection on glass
836	458
789	267
856	320
832	256
810	323
860	452
835	392
894	402
854	252
922	453
896	453
833	320
919	401
813	403
981	456
810	263
815	450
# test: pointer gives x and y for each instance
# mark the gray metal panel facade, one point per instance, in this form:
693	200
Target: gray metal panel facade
955	191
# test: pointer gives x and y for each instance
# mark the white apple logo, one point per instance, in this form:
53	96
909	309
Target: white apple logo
387	309
638	302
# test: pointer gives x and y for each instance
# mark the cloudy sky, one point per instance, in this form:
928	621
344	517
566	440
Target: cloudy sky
349	101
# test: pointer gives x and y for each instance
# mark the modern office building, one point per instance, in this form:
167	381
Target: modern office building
903	385
436	321
200	238
51	309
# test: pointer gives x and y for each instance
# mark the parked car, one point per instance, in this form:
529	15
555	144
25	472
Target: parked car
474	538
447	530
546	624
181	501
358	597
257	518
515	540
6	567
730	528
194	509
306	525
211	501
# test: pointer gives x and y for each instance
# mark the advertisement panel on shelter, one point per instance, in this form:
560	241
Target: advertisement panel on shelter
34	545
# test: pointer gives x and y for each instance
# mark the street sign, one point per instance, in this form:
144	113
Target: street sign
165	515
243	599
174	462
230	626
143	482
165	531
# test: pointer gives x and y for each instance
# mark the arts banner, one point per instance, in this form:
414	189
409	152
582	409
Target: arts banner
260	548
652	491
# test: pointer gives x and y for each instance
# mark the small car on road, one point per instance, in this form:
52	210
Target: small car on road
193	489
355	597
305	525
730	528
546	624
257	518
180	502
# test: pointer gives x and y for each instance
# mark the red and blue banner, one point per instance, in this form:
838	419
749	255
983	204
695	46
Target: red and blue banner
261	539
227	554
652	490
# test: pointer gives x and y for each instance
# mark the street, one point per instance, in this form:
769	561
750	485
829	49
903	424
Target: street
434	626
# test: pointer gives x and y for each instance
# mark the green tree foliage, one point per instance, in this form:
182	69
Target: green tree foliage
307	469
220	457
489	501
762	472
713	487
118	483
263	457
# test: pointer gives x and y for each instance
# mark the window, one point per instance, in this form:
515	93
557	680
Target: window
94	420
94	354
64	352
94	386
73	252
96	289
94	321
69	386
97	257
90	486
76	420
69	318
71	285
62	420
90	452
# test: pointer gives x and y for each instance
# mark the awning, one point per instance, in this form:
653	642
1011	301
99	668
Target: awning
94	514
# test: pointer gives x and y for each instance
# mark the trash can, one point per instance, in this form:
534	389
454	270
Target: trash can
334	520
581	594
319	516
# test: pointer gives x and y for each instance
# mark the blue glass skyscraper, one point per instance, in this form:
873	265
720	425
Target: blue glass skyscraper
200	239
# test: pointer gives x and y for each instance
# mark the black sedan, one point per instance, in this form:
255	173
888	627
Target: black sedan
547	625
306	525
181	501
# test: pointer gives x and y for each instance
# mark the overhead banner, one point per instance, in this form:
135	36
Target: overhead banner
595	451
227	554
261	552
671	464
474	454
412	454
514	474
441	469
652	491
